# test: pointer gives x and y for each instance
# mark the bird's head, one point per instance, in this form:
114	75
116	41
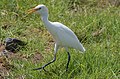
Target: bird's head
40	9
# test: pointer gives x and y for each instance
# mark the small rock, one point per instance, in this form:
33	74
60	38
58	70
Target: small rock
13	45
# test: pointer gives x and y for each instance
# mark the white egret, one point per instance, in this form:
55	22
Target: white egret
63	36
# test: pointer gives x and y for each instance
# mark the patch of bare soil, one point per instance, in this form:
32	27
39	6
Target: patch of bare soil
6	66
36	57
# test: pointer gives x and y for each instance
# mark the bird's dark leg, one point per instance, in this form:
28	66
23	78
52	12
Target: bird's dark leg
55	51
68	61
46	64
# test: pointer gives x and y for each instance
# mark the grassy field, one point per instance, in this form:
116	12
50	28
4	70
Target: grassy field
95	22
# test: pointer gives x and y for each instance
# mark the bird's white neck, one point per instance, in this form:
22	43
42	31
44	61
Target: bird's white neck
45	20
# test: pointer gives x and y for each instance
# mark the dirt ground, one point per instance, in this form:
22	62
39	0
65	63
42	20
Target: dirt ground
5	62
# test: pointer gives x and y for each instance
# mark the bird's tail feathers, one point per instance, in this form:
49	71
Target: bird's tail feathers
81	48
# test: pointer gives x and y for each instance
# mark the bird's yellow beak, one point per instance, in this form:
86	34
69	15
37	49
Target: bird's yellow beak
31	10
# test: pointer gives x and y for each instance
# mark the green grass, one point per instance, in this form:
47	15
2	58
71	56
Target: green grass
102	57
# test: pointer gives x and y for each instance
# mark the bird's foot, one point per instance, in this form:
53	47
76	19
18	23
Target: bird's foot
66	69
40	68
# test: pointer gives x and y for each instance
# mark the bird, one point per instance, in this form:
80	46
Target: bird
62	35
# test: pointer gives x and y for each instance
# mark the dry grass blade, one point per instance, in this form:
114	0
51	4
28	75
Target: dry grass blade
98	32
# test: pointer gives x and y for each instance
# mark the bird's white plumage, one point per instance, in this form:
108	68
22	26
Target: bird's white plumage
67	38
63	36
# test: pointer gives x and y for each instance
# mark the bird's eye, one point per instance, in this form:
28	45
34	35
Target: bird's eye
39	8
